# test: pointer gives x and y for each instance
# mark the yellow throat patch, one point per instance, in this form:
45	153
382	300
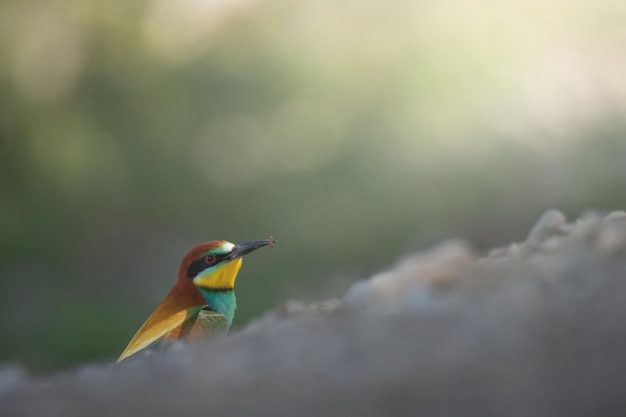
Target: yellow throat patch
221	276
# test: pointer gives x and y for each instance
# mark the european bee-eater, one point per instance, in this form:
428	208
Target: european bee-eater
202	301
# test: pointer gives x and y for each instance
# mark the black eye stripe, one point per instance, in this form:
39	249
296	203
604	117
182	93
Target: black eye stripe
200	265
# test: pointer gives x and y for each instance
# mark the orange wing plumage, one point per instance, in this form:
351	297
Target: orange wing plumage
165	328
181	303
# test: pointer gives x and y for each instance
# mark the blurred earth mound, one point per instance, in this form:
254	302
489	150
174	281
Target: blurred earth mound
535	328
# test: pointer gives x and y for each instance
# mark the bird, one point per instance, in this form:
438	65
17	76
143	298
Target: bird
202	301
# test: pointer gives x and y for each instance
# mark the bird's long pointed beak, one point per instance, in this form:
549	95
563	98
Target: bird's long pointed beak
242	249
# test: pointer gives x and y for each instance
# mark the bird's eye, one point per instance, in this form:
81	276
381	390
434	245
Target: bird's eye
209	259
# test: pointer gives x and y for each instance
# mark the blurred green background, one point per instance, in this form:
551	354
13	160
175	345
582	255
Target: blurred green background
353	132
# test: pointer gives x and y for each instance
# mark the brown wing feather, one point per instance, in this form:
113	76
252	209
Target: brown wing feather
153	330
179	305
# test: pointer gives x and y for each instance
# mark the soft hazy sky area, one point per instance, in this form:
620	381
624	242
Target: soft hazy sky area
353	132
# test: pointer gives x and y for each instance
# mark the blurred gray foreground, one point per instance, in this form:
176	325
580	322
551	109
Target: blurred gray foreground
534	329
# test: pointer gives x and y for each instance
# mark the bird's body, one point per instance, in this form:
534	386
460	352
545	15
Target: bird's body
202	301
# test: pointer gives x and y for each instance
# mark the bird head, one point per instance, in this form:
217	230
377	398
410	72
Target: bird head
214	265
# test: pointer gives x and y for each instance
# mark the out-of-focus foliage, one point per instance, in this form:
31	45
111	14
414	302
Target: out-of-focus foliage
352	131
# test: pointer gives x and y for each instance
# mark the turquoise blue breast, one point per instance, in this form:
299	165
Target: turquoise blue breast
221	301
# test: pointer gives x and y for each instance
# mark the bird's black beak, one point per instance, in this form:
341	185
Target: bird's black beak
242	249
